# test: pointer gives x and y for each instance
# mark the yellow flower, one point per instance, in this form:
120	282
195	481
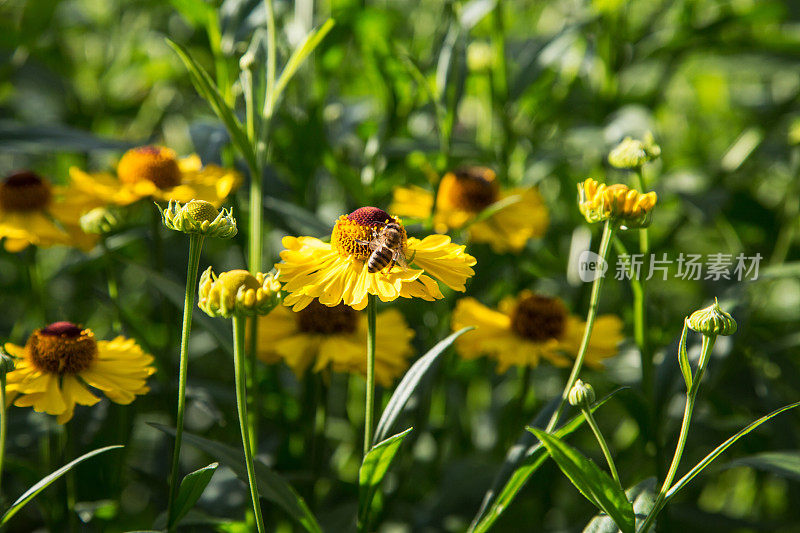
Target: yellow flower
599	202
155	172
467	191
530	327
337	272
335	338
59	362
33	211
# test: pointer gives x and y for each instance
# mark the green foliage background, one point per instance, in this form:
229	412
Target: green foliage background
717	82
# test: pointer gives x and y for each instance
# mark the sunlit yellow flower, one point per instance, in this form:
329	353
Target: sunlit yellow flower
336	272
33	211
322	338
156	172
461	197
599	202
530	327
59	363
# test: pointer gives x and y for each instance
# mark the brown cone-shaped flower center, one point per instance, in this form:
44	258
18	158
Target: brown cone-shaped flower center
153	163
319	318
539	318
62	348
471	189
24	191
361	226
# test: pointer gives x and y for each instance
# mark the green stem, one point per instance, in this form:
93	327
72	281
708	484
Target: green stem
254	396
372	305
195	246
691	396
608	232
69	477
587	413
241	407
113	287
640	309
3	424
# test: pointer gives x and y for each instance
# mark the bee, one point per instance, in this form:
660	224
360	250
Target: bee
387	248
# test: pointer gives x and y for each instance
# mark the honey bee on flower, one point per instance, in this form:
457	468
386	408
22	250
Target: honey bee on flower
339	271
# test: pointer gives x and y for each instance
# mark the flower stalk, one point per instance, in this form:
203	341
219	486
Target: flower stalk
7	365
608	233
372	310
582	395
241	408
195	246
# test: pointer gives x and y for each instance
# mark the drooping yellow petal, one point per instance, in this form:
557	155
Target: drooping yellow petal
510	228
413	202
442	259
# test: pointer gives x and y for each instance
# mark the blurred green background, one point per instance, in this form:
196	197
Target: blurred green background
538	91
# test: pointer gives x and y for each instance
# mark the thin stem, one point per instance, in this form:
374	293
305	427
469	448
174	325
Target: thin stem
113	286
253	396
69	477
372	305
269	97
195	246
691	395
241	407
587	413
608	233
639	306
3	424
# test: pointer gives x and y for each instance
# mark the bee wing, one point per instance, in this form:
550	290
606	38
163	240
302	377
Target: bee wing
375	243
400	259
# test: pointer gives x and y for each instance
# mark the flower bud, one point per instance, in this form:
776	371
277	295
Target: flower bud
102	220
200	217
238	291
581	394
712	321
599	202
6	363
633	153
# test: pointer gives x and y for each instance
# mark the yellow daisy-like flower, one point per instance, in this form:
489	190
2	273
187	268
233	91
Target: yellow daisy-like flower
599	202
155	172
334	338
528	328
59	363
467	191
337	272
35	212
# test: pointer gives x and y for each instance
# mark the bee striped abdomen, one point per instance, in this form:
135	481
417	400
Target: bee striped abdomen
381	257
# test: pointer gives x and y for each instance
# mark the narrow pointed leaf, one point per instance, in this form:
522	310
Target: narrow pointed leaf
192	487
271	486
523	465
207	89
682	482
782	463
410	382
373	469
683	358
593	483
643	496
299	56
49	479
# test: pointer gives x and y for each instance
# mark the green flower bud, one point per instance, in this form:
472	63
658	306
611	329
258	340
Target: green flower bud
102	220
6	362
581	394
633	153
238	292
712	321
199	216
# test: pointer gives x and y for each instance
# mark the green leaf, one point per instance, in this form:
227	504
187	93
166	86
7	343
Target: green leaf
49	479
192	487
15	136
207	89
782	463
524	459
196	12
270	485
410	382
372	471
593	483
699	467
643	496
683	359
297	58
